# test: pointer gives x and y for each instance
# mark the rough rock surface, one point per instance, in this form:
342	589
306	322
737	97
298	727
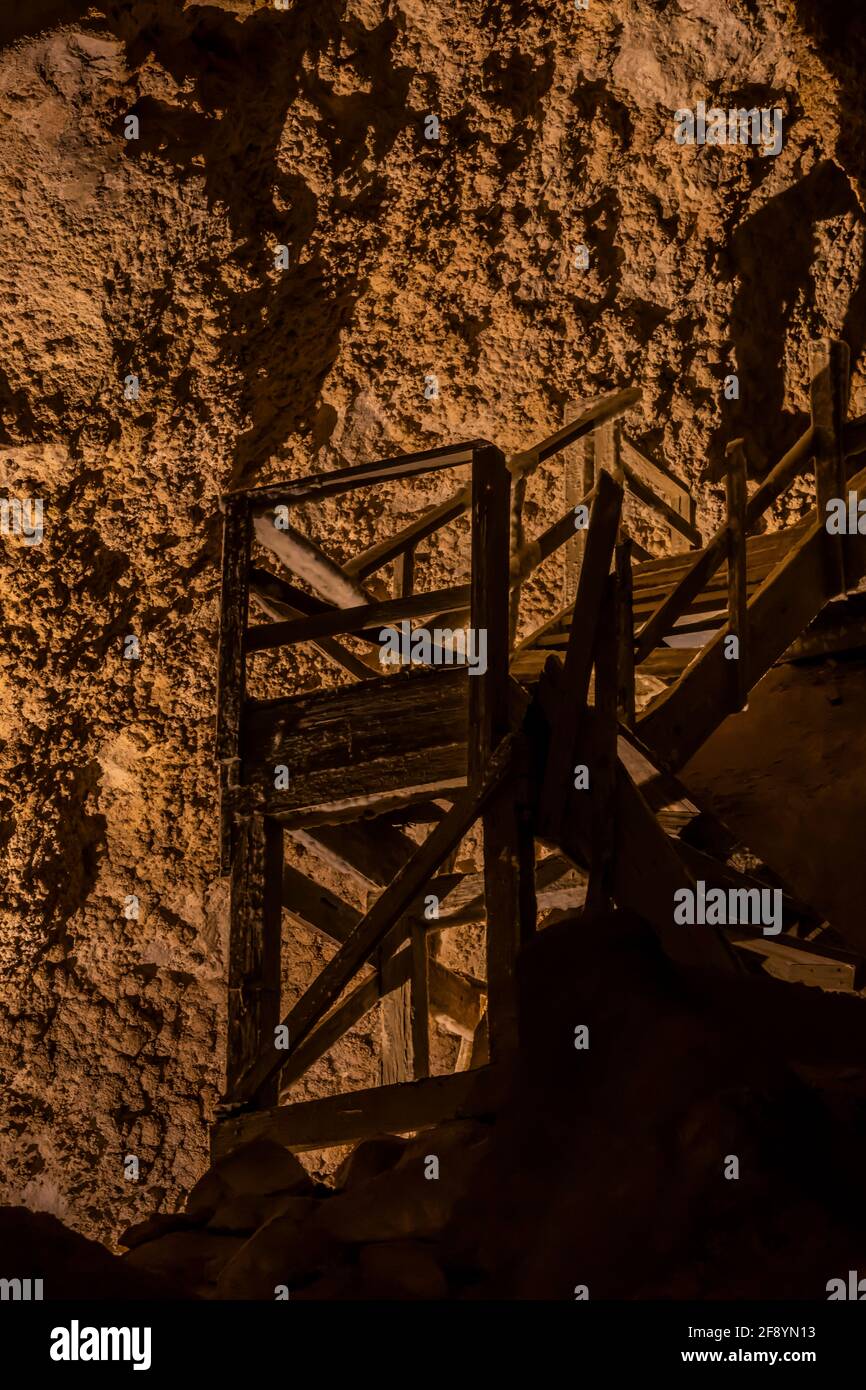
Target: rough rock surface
155	257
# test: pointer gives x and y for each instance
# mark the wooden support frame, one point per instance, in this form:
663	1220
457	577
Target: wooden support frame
625	700
574	686
603	756
372	931
231	680
738	580
254	954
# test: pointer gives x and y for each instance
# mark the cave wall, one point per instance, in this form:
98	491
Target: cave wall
305	127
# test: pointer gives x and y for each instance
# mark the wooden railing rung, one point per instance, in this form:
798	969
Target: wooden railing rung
738	582
265	636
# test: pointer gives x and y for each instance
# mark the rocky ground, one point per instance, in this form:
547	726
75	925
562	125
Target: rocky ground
155	258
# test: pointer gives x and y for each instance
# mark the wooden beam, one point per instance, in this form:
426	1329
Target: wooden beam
607	408
705	563
488	713
316	905
738	580
309	562
317	485
625	698
371	857
420	1001
322	1124
787	601
254	955
231	680
361	667
574	686
602	758
386	911
830	390
266	636
423	525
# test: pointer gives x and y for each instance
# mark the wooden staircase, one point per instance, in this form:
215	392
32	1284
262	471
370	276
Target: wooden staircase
356	773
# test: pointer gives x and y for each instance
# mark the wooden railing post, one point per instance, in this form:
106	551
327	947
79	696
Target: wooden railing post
508	847
579	480
738	582
254	954
625	633
603	755
231	681
830	390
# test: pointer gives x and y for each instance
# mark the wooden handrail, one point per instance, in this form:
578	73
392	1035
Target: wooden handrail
708	560
265	636
317	485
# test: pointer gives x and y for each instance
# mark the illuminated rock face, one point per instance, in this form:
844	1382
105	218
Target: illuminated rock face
263	276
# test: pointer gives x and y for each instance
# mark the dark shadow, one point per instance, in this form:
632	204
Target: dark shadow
771	257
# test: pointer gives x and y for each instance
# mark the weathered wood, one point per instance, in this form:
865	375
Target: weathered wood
317	485
488	710
231	680
603	756
607	408
316	905
266	636
354	848
420	1001
575	485
645	494
738	583
254	955
388	909
456	1003
309	562
600	544
361	667
322	1124
423	525
830	390
702	567
404	573
685	716
625	698
663	484
383	719
535	552
332	799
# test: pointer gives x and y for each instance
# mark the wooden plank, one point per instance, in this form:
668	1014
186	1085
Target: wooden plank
657	504
574	487
361	667
738	584
602	758
317	485
425	524
371	858
706	562
510	906
606	408
231	680
404	573
787	601
386	717
625	698
321	1124
267	636
388	909
600	543
830	391
309	562
420	1001
659	480
396	783
488	713
254	955
316	905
